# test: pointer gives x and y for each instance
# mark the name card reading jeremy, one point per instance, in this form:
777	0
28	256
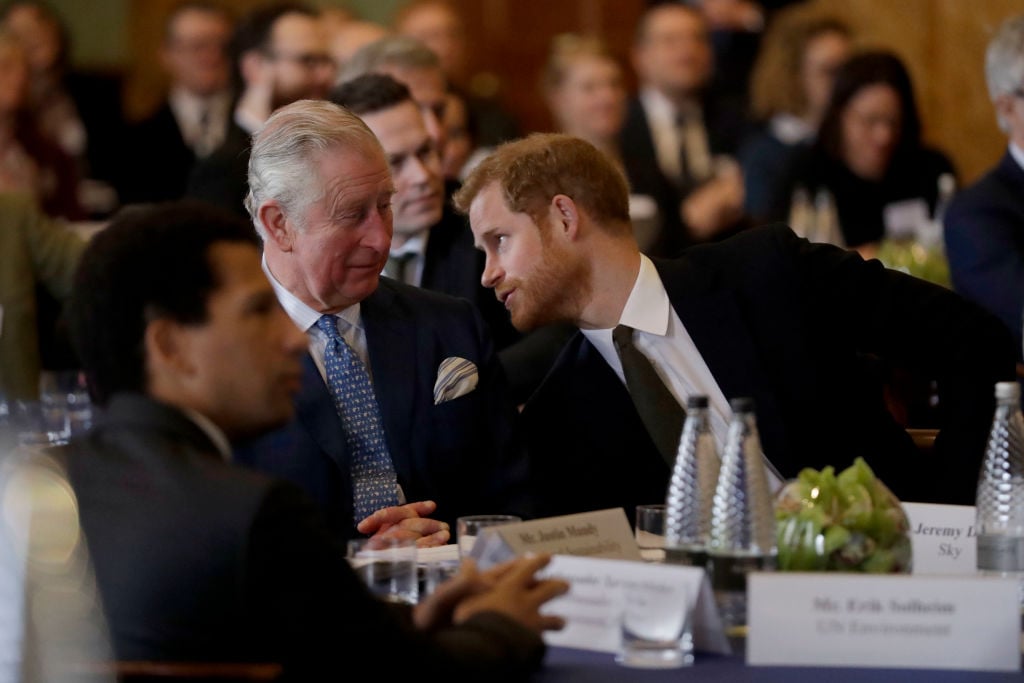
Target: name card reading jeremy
943	538
594	604
888	621
602	533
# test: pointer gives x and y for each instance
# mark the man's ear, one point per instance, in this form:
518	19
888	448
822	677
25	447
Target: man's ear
278	228
564	215
1004	106
166	348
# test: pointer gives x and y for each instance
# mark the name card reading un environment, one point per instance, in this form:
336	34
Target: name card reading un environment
593	606
943	538
603	533
887	621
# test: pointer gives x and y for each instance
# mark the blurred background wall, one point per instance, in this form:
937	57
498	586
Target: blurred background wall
942	42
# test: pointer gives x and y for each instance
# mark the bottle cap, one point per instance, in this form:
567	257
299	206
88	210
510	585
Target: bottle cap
744	404
694	402
1007	390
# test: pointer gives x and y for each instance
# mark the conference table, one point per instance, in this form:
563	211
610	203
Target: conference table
566	665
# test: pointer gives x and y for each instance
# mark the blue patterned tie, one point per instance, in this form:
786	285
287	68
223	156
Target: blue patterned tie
373	475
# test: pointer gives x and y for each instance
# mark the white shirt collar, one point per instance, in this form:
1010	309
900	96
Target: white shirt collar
301	314
647	308
1018	154
791	129
212	431
417	244
657	106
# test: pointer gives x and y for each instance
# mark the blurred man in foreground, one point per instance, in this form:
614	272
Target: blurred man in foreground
197	559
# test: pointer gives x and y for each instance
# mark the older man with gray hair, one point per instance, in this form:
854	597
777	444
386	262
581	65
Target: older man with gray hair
984	226
403	397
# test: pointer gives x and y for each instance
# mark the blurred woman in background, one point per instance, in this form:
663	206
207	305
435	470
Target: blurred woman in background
790	89
869	155
583	86
29	162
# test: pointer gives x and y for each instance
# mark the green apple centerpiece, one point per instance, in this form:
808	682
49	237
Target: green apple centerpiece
851	523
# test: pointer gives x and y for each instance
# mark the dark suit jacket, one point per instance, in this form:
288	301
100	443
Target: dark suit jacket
223	177
787	323
465	454
198	559
725	129
157	160
984	232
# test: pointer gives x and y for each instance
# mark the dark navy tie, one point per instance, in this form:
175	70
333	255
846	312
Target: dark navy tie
374	482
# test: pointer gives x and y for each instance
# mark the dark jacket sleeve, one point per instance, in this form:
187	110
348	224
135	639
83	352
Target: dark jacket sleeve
319	617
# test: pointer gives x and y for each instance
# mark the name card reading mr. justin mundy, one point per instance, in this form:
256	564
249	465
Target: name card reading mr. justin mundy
603	533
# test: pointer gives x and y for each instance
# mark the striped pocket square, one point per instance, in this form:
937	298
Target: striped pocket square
455	377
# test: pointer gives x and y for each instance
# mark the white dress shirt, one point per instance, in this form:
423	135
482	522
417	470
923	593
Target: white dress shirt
1018	154
661	336
417	247
349	325
202	137
670	139
212	431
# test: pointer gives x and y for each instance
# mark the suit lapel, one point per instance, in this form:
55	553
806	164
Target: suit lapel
392	342
315	410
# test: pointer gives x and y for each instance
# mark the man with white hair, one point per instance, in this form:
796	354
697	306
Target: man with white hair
984	226
435	423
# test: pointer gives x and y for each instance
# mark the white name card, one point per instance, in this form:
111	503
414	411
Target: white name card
602	533
593	606
889	621
943	538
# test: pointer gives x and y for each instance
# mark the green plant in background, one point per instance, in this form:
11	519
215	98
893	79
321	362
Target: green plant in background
914	258
846	522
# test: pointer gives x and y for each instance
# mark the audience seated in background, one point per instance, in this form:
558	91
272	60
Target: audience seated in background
200	560
192	120
869	155
763	314
984	226
29	161
438	25
583	86
413	64
344	39
81	112
279	55
790	89
674	124
461	134
35	251
441	424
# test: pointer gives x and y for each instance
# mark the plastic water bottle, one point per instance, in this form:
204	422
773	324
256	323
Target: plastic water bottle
742	534
692	488
1000	498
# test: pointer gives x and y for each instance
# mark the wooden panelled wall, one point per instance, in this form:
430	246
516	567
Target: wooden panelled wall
942	42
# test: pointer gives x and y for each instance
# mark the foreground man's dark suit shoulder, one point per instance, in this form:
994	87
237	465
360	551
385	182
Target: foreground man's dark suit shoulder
788	323
197	559
465	453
